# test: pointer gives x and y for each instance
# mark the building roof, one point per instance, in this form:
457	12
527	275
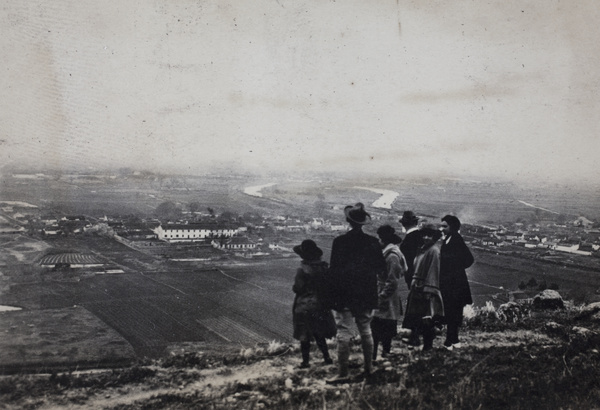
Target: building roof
197	226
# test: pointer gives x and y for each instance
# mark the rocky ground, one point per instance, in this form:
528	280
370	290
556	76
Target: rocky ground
527	358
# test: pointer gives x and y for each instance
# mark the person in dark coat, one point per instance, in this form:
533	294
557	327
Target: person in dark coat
311	319
456	292
411	243
425	308
356	261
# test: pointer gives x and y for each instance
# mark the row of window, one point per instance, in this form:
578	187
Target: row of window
183	236
205	231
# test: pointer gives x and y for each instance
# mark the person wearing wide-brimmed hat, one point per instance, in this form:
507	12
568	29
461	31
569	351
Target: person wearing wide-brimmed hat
310	318
356	261
456	292
384	325
425	308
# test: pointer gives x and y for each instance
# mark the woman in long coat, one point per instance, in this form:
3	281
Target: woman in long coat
384	325
425	309
456	292
310	318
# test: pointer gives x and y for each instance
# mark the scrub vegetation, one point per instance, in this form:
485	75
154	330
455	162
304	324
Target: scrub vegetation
544	359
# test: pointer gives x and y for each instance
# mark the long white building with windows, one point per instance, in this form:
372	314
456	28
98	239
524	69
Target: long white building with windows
194	232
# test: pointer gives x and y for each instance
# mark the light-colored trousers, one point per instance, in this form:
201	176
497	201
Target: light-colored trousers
344	320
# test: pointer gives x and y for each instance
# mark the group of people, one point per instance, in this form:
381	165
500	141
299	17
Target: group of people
361	286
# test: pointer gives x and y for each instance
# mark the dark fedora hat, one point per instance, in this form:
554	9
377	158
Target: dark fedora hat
408	217
308	250
357	214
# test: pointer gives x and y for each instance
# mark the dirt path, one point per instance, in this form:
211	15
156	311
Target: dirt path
209	382
214	382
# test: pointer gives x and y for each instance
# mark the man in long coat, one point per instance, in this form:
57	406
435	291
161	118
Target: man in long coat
411	243
356	260
410	246
456	292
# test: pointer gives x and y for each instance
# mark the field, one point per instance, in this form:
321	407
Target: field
59	339
154	306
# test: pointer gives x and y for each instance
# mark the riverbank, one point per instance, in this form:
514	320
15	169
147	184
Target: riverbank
255	190
385	201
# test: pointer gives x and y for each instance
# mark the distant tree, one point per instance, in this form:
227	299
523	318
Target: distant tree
522	285
228	216
542	285
211	211
132	219
168	211
194	207
553	286
532	283
101	229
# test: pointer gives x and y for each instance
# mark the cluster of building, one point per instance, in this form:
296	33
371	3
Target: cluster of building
580	237
573	238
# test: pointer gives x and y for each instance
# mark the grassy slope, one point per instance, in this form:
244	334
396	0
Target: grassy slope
522	365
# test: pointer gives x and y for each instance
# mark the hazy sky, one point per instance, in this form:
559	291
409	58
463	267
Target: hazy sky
476	88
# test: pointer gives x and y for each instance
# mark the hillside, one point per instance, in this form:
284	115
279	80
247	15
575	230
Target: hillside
518	358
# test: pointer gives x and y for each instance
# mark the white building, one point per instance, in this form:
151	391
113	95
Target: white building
194	232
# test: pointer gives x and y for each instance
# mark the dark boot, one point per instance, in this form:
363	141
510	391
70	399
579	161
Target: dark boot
428	337
322	345
305	350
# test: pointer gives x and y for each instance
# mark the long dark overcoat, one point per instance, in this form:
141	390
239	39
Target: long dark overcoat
455	257
356	260
410	246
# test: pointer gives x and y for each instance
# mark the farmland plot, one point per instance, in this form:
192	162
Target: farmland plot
151	310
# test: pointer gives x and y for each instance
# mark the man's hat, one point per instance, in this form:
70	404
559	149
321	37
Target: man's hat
357	214
408	217
308	250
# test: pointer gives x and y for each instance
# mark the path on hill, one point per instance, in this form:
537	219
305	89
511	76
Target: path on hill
216	382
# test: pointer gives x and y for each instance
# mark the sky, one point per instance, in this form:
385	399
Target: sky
480	89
